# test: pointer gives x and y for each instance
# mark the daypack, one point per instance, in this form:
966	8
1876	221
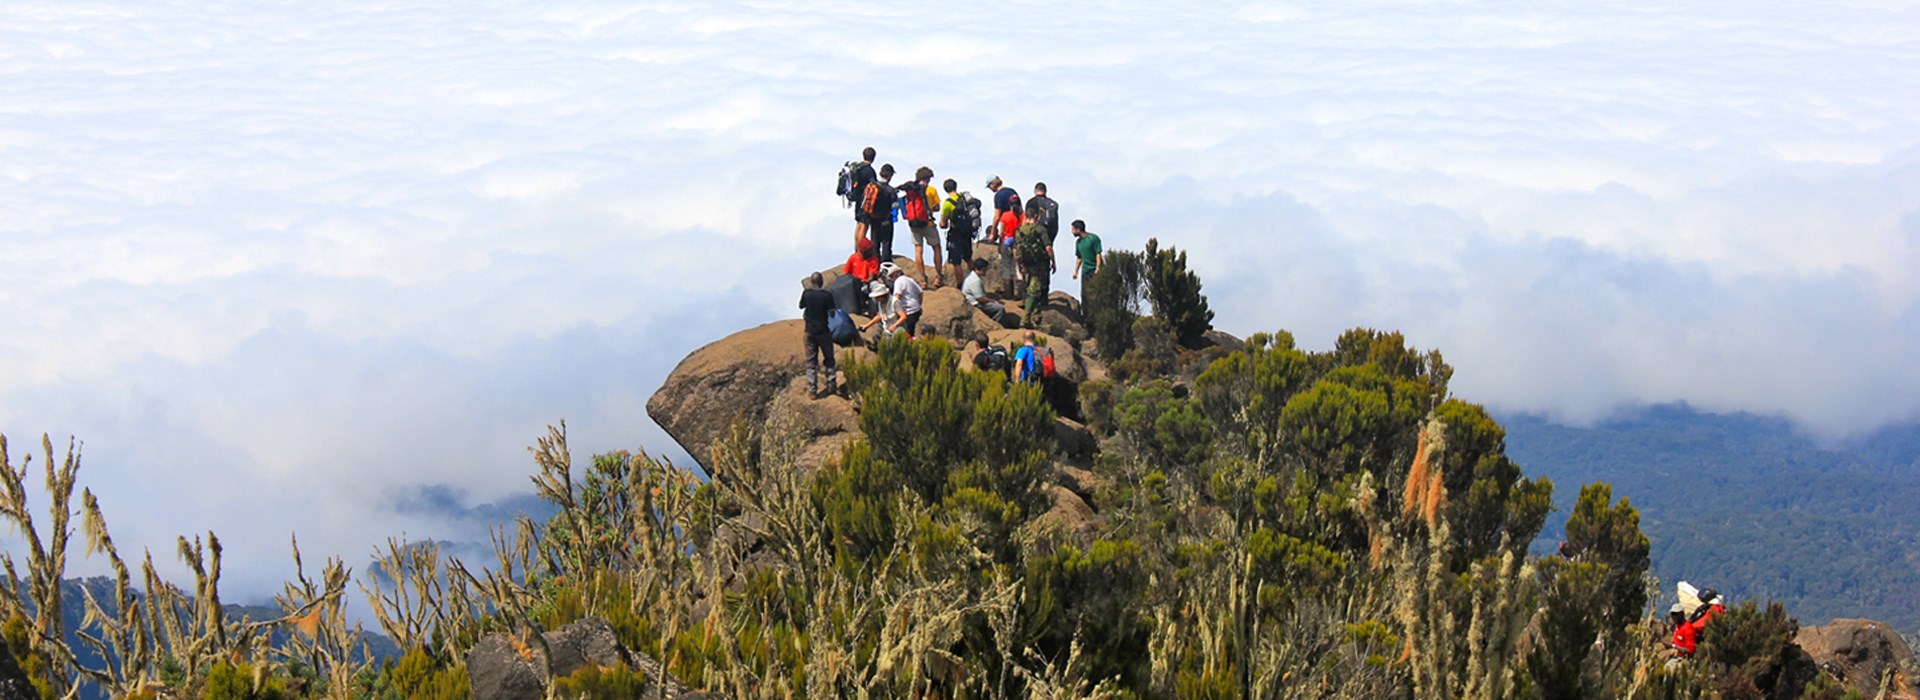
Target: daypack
915	210
854	177
841	326
993	358
1046	362
1031	244
966	215
878	201
1049	215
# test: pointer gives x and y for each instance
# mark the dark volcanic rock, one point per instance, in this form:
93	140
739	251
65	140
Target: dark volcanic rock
502	668
590	640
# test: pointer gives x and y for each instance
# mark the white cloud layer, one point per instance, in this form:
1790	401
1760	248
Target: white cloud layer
279	263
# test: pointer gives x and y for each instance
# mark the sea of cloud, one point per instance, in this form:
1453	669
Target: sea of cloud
285	268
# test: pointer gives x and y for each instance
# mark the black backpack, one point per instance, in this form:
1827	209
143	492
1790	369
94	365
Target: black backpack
966	215
1049	214
993	358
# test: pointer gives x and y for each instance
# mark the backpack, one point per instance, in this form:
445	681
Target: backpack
915	211
854	177
1046	362
966	215
993	358
1049	215
841	326
878	201
1030	241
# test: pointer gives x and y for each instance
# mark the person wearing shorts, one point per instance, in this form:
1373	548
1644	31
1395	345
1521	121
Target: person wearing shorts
862	175
925	233
959	241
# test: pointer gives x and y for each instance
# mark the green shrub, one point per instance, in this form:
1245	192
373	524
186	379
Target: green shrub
591	682
1175	293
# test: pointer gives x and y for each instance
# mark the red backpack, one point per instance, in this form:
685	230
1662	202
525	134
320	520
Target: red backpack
1046	363
915	210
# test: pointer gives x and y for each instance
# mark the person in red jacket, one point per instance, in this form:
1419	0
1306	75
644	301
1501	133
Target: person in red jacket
1686	637
863	264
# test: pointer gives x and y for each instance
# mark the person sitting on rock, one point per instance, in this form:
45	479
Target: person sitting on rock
975	290
880	294
850	288
906	303
815	304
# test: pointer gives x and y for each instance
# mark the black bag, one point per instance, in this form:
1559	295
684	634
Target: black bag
847	293
993	358
966	215
1049	215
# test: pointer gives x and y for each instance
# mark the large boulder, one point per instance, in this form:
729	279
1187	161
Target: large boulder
1061	318
946	313
1069	513
501	667
586	641
1868	656
743	377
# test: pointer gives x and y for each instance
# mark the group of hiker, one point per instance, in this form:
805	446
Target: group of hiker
874	285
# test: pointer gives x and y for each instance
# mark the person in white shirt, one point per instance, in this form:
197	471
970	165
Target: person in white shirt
975	289
906	303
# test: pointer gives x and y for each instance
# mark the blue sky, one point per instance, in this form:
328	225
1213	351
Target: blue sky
282	266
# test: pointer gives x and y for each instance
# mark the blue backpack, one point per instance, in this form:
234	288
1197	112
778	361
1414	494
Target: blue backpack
840	325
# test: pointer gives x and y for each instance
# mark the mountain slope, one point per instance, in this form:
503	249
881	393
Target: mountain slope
1746	504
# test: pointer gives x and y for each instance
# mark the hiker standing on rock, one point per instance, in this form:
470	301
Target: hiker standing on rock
1031	250
878	203
815	304
920	201
1006	207
1086	255
1049	216
960	216
859	178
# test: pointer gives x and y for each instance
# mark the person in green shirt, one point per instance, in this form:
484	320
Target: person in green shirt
1086	249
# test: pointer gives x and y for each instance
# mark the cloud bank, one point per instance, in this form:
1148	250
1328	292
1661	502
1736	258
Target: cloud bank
283	268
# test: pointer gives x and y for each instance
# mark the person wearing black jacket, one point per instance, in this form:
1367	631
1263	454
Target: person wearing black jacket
878	203
815	304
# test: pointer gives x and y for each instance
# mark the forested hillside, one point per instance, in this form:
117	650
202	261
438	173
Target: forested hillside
1753	507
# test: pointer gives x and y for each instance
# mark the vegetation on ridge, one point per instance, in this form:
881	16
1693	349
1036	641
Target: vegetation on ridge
1268	523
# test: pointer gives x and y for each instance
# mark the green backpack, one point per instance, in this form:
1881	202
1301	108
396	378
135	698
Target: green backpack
1031	243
